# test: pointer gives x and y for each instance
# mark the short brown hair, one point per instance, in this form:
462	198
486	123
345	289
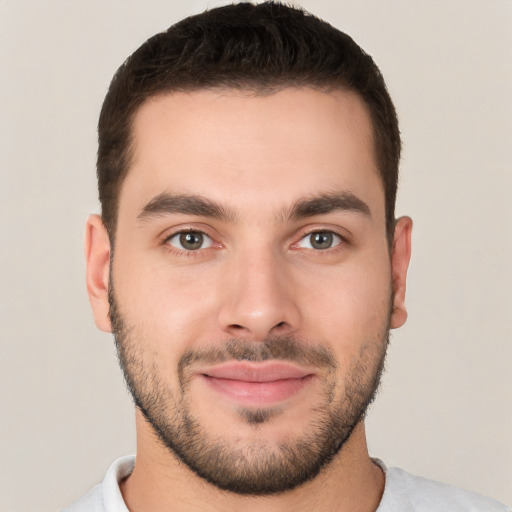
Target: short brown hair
261	48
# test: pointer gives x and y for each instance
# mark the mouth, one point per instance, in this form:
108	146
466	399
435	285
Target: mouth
256	384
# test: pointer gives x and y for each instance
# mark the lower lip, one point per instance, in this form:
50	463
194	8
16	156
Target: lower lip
258	393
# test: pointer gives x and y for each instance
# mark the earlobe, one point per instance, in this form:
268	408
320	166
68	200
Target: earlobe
97	257
400	257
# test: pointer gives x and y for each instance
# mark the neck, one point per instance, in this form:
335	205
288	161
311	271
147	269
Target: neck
351	482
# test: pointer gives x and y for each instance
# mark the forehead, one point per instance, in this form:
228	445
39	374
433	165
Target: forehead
256	149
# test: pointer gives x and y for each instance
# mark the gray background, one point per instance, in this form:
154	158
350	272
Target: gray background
445	410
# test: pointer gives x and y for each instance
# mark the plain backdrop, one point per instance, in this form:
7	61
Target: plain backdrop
445	409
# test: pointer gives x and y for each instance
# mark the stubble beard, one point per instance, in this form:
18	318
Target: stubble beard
260	467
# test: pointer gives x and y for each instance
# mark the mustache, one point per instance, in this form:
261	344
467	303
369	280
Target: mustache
287	348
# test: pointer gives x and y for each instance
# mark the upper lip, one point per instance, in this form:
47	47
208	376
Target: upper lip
247	371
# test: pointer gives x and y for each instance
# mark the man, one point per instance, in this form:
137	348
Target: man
250	266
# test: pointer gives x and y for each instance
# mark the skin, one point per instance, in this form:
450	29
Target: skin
256	156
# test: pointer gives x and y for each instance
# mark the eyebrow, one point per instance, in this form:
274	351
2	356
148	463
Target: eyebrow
327	203
191	204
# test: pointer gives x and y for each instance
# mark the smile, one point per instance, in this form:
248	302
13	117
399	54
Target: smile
256	384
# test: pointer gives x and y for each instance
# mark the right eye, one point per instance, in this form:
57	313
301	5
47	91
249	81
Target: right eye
190	240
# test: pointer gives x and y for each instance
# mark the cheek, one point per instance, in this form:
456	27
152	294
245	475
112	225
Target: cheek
168	308
349	305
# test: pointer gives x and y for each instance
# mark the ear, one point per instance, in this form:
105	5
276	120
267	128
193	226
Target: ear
400	256
97	257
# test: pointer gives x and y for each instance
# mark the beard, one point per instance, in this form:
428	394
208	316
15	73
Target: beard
260	466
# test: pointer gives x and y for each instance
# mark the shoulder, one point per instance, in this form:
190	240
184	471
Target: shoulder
106	497
90	502
406	492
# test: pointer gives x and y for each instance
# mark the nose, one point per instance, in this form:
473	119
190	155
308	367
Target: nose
259	298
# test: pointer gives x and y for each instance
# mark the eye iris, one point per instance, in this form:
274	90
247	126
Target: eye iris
321	240
191	241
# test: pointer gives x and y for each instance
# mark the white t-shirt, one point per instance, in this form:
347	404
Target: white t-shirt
403	492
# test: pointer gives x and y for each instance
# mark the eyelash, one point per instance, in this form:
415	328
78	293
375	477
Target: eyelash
184	252
341	242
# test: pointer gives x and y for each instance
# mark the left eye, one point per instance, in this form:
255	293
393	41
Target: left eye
320	240
190	240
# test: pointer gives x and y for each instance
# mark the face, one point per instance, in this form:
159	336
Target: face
252	287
